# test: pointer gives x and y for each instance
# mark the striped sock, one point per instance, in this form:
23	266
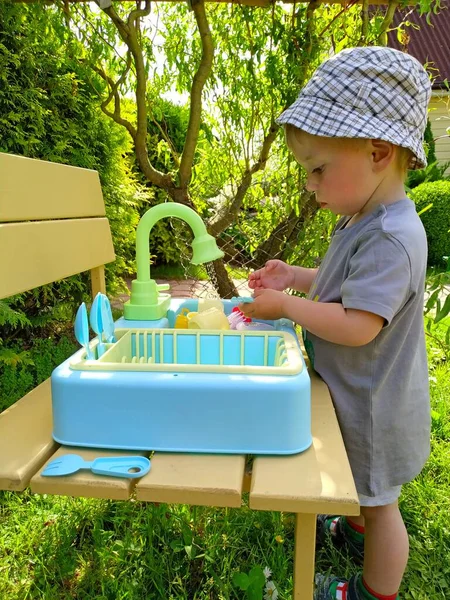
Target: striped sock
353	525
368	593
339	591
353	530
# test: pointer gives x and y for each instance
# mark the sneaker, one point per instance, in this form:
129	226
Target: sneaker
341	535
329	587
335	588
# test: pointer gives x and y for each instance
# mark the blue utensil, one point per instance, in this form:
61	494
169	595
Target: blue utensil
81	328
107	320
95	319
119	466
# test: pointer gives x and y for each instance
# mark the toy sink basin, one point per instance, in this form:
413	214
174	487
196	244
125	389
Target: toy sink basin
234	392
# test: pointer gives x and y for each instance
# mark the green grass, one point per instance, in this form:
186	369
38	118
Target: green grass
58	548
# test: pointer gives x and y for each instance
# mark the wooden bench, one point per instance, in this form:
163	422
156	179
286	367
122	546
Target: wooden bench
53	225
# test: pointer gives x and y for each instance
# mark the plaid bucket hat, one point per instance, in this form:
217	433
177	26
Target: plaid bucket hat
372	92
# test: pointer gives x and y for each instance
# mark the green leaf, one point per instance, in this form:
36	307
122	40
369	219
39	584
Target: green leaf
257	577
241	580
187	534
432	300
176	546
425	209
254	592
13	359
11	317
444	311
435	415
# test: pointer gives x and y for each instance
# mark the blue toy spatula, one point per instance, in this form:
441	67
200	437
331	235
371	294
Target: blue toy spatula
81	328
119	466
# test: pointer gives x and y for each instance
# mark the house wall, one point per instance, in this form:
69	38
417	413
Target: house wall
439	116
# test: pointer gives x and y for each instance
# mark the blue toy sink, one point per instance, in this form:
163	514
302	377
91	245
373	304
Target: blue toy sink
163	389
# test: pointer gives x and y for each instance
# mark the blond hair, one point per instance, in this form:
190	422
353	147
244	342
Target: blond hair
404	156
404	159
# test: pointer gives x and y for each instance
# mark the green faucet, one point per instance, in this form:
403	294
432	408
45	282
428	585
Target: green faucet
146	302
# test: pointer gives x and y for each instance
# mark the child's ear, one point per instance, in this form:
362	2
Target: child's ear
383	153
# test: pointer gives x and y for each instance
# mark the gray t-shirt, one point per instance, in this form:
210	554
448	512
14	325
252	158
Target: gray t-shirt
380	390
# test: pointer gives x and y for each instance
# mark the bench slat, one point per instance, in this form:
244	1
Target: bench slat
46	251
84	483
26	438
318	480
34	190
202	479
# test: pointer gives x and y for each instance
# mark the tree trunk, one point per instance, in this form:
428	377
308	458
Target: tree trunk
221	280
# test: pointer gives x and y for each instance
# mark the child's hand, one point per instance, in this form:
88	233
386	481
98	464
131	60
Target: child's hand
275	275
267	305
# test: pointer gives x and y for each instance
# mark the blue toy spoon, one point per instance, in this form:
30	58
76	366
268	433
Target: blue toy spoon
119	466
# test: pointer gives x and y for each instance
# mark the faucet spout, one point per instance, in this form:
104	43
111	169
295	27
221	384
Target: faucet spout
154	214
146	303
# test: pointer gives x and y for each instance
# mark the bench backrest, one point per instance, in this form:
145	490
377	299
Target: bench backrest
52	224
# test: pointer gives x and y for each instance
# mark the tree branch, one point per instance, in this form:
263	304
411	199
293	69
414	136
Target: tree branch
82	14
364	22
166	138
312	6
277	244
138	13
228	214
200	77
387	22
114	93
121	26
346	7
129	34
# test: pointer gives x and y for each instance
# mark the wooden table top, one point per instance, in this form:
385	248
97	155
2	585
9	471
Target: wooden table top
318	480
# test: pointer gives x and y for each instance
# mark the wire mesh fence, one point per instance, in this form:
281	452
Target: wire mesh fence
228	277
204	281
247	244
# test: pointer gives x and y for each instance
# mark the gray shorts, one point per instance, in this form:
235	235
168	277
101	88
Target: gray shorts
387	497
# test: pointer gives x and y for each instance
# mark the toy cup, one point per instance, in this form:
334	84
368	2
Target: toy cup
212	318
205	304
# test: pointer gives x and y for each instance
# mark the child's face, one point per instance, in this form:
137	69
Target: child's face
339	170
